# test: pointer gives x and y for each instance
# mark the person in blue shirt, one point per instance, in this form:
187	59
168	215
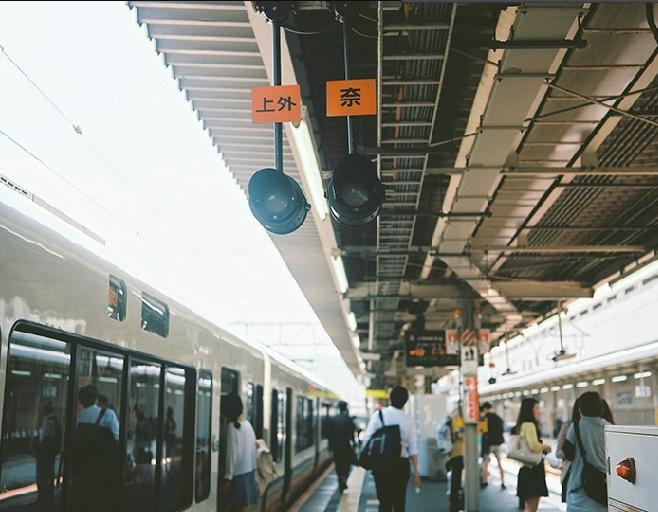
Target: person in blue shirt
592	429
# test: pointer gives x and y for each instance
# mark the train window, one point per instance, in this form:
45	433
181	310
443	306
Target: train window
94	470
255	408
230	383
258	424
324	425
155	315
277	424
203	436
34	422
176	460
116	299
141	439
304	423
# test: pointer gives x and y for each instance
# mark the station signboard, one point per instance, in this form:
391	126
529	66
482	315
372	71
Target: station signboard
472	399
351	98
428	350
276	104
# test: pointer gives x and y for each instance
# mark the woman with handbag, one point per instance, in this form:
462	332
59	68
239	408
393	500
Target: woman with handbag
532	477
585	446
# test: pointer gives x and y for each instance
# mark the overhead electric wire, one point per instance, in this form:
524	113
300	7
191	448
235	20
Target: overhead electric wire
78	130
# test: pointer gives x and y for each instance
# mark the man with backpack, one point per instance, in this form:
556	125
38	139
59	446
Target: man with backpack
492	439
389	444
94	472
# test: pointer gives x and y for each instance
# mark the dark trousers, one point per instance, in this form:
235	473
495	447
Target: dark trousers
391	486
343	464
46	483
456	466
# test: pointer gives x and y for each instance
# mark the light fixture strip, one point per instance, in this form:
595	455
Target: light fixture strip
310	167
339	272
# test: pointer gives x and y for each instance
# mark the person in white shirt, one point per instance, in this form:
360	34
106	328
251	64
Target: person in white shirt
91	412
392	484
239	477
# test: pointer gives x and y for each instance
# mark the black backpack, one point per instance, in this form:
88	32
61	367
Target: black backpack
593	481
94	469
383	448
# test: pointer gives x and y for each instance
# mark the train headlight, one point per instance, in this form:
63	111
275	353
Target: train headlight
277	201
355	193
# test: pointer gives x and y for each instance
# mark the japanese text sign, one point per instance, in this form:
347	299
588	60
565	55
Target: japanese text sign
351	98
472	399
276	104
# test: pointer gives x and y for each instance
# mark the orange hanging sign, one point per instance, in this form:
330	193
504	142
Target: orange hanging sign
351	98
276	104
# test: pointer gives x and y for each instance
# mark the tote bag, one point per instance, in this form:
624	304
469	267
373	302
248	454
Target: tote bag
518	449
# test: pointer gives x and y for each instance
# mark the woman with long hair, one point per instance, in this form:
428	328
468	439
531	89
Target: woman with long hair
532	479
559	451
239	479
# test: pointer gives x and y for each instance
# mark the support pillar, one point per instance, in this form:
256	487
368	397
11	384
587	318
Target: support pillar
471	468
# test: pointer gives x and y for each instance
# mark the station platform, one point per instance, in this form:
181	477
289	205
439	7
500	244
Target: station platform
362	497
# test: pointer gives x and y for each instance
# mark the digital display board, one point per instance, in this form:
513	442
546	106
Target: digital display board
428	350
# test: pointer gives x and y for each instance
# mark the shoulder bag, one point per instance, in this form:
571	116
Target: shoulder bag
519	449
593	481
383	448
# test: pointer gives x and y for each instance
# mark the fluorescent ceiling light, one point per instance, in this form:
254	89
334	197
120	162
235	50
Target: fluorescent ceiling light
356	340
351	321
583	384
339	271
598	382
555	388
642	375
544	390
619	378
310	168
567	386
534	391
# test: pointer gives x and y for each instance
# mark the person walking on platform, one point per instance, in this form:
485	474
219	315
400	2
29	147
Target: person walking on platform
532	479
341	443
492	440
239	485
585	447
455	464
391	483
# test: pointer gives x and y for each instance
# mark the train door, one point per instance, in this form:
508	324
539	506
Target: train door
94	469
288	443
230	383
317	425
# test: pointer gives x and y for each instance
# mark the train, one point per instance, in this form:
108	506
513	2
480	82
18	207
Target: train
69	319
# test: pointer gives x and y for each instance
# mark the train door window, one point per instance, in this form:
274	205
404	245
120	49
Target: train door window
258	423
230	383
116	299
203	436
255	408
94	469
141	439
324	425
277	424
304	423
176	460
155	315
34	422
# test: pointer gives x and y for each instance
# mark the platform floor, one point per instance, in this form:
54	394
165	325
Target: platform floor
361	496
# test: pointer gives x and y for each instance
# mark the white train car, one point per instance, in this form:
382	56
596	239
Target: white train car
68	320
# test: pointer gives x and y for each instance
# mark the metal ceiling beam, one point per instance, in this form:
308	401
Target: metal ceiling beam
552	171
563	249
521	289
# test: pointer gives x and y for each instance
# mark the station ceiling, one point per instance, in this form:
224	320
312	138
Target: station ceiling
517	144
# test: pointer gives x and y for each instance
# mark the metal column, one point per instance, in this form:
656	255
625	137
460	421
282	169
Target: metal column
471	467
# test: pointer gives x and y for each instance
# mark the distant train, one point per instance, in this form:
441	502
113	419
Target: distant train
69	319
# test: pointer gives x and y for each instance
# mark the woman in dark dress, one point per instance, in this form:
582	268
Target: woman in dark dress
532	479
